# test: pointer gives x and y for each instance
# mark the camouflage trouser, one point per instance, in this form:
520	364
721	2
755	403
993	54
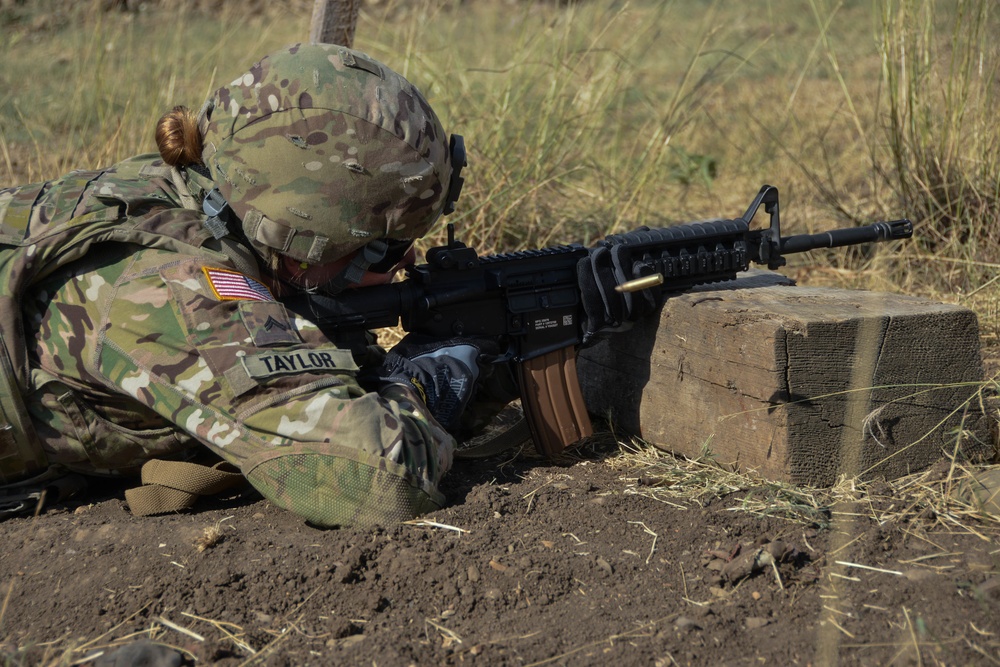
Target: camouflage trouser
139	354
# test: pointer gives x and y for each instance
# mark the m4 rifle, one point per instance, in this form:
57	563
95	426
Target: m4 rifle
543	304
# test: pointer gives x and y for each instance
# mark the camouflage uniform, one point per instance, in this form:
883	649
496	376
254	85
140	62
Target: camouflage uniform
141	338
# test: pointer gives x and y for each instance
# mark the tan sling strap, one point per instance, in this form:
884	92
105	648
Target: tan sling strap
169	486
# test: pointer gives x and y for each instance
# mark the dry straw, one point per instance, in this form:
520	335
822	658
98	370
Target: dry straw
936	498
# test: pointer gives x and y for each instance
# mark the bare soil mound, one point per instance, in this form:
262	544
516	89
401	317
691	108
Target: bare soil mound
531	564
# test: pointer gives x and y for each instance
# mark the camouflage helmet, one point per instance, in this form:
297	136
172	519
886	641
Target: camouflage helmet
321	150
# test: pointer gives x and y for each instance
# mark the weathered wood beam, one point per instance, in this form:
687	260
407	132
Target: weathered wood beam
801	384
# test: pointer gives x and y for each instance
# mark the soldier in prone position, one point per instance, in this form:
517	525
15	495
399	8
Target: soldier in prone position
142	317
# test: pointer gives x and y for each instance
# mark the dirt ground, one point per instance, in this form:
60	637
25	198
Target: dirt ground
530	564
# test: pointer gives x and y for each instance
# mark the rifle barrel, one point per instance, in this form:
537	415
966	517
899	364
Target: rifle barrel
880	231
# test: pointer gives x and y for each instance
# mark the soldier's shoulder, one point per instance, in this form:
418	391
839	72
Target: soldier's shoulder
140	167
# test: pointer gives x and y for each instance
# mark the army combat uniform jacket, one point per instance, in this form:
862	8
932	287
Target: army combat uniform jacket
131	334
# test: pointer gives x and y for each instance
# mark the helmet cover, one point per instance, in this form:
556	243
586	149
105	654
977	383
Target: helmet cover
320	149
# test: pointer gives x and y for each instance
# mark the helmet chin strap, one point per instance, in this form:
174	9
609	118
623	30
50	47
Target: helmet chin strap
217	214
217	210
372	253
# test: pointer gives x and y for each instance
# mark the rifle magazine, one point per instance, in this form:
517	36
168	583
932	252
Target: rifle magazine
552	401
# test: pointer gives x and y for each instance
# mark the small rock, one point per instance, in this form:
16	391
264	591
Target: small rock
685	624
982	491
340	628
702	612
989	589
778	550
142	652
353	640
755	622
473	573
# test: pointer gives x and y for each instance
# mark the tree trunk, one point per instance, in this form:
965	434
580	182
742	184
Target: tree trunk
334	21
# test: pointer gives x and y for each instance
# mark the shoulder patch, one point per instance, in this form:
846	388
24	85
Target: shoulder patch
234	286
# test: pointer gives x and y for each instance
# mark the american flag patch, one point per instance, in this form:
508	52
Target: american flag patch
233	285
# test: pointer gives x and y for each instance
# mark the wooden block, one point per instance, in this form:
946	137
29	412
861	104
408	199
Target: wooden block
800	384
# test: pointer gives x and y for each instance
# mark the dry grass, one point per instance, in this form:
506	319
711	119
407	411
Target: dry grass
211	536
939	498
591	118
594	117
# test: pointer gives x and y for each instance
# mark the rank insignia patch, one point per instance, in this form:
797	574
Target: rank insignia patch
233	286
268	323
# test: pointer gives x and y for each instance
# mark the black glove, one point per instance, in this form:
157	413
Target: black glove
598	275
448	375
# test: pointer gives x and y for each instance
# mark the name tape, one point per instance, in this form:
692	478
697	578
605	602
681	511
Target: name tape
321	360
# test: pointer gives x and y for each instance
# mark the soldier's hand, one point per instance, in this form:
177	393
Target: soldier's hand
444	373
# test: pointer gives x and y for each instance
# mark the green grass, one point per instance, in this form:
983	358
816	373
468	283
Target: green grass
596	117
